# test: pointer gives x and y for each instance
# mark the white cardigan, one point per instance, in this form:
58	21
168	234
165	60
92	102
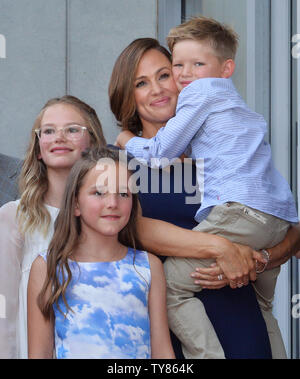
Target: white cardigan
16	257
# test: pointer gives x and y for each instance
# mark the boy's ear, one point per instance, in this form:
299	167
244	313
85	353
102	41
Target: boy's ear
228	68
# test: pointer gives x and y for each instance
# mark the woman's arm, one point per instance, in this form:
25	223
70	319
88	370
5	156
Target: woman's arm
40	331
279	254
163	238
161	346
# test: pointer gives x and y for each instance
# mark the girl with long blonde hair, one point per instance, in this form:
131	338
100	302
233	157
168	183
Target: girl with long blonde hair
64	128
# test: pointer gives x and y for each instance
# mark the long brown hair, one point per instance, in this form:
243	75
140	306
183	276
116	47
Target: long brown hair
33	182
121	85
67	229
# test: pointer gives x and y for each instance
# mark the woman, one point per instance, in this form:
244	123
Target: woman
143	97
64	128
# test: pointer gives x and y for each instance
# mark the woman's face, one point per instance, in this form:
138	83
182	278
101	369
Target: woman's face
155	90
61	151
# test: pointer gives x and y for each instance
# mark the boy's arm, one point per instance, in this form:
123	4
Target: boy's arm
161	346
40	331
172	140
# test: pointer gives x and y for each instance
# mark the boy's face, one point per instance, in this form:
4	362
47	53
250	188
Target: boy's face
195	60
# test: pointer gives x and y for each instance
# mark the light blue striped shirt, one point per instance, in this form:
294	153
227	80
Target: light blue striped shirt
214	124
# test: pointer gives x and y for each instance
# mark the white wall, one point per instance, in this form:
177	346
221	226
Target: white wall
233	13
63	46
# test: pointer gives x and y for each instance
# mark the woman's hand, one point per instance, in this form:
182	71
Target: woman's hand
279	254
215	278
231	261
211	278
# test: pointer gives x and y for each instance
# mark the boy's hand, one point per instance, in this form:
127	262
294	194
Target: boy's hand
123	138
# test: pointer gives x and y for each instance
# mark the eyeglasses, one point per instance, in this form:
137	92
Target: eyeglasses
70	132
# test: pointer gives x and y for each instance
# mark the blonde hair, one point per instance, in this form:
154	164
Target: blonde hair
121	85
33	183
68	229
222	38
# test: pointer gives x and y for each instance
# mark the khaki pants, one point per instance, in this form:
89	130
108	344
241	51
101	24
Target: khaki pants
186	314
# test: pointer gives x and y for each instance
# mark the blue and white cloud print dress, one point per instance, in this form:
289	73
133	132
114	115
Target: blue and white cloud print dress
110	317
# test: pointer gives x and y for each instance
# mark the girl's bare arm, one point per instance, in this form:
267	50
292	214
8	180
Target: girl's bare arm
161	346
40	331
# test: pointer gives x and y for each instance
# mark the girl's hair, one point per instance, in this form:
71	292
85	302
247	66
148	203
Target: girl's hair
121	86
33	182
68	228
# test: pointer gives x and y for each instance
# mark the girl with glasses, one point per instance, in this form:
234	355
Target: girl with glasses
26	225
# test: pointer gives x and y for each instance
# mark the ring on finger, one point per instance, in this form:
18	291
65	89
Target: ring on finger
220	277
240	285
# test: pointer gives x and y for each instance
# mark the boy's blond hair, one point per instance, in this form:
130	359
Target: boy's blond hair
222	38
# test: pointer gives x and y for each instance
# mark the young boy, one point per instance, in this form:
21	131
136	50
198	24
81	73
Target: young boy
245	199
